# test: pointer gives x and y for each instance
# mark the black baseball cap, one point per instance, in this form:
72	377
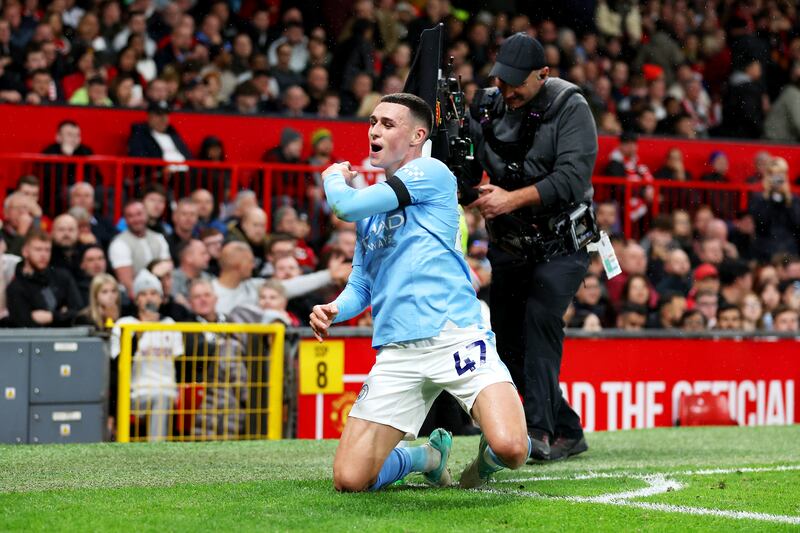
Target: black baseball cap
518	56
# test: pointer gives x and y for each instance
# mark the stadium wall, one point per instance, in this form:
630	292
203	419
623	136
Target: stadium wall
619	383
31	128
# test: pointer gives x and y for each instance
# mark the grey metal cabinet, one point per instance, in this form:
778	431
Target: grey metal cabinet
68	371
14	380
53	386
66	423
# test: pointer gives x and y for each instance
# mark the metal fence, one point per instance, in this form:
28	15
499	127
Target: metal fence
117	179
199	382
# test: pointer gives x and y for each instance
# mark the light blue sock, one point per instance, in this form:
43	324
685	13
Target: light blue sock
490	463
424	458
397	466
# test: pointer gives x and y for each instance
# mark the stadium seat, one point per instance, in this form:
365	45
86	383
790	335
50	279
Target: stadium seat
189	401
705	409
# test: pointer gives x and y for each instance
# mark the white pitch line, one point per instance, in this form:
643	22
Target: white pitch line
640	475
736	515
657	484
715	471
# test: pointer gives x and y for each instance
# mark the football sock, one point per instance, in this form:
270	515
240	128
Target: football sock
424	458
489	462
402	461
397	466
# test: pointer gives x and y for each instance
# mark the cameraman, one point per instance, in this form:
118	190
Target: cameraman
776	213
536	139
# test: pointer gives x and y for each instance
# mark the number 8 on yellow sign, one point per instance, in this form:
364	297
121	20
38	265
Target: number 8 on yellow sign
321	367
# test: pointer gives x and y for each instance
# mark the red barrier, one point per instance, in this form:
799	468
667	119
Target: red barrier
653	153
625	383
106	131
31	128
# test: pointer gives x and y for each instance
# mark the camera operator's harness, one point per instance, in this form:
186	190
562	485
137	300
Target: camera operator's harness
534	237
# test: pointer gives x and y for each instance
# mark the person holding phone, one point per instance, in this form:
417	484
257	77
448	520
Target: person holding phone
776	212
153	385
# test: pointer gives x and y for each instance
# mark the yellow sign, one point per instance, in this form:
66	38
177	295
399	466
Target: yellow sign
321	367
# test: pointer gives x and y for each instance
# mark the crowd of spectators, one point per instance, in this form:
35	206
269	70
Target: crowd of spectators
670	67
210	254
647	66
697	272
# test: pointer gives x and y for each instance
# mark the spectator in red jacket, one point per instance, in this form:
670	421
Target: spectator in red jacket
624	163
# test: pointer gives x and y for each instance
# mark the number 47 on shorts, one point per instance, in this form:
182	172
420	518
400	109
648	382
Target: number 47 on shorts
468	364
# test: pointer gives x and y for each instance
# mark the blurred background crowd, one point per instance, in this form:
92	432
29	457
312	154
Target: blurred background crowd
686	69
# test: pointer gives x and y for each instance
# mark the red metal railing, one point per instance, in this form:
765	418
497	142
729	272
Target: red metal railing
117	179
664	196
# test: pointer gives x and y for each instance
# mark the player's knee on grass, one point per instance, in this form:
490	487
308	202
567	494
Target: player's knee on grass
348	480
512	451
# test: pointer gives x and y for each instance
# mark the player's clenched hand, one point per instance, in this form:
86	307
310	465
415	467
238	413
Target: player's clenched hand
321	319
344	168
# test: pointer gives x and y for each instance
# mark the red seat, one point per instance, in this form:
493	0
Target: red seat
704	409
190	399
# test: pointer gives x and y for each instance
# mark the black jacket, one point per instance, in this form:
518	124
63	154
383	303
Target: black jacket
777	226
67	259
57	177
742	111
14	242
201	351
174	310
561	160
103	230
142	143
52	289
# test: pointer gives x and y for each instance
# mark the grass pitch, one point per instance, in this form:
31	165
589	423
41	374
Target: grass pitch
663	479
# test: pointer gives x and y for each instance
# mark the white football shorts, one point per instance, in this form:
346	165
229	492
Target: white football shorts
407	377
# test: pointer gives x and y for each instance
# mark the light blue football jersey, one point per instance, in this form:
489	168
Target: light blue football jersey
408	263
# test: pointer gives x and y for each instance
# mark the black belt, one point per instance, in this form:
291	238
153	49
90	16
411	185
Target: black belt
544	237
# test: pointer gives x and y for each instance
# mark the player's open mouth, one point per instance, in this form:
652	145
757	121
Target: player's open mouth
375	147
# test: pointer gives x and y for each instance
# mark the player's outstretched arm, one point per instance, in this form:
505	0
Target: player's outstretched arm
351	302
351	204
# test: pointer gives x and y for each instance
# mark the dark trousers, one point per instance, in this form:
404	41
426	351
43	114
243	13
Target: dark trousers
528	302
